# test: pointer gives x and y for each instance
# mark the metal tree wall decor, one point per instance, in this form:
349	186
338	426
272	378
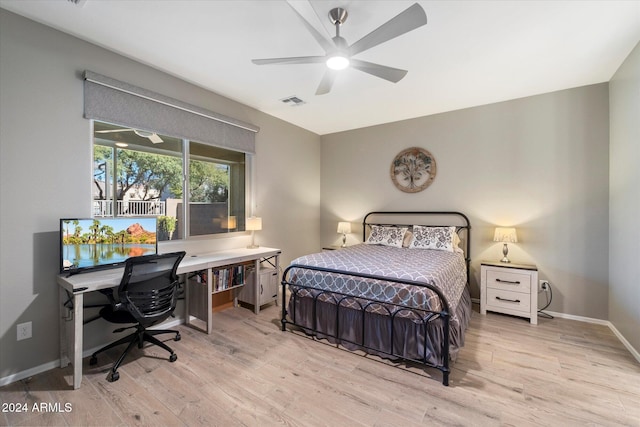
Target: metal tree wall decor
413	170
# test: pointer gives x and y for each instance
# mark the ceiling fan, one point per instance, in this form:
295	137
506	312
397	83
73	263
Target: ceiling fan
339	54
153	137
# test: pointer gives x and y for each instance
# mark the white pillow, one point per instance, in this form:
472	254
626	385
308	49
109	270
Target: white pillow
456	241
408	236
386	236
438	238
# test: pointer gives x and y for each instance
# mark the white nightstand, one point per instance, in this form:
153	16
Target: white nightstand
510	289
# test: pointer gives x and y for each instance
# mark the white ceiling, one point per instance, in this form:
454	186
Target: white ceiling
470	53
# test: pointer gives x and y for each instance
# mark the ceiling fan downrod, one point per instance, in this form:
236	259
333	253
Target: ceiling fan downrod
338	16
339	58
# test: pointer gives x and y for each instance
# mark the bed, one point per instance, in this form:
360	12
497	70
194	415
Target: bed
402	294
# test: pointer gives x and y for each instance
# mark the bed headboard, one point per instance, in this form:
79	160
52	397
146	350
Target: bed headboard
425	218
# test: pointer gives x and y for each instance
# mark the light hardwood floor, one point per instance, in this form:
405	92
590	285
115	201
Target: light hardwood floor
558	373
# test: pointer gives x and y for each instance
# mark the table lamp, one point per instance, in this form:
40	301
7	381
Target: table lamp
253	223
344	228
505	235
229	222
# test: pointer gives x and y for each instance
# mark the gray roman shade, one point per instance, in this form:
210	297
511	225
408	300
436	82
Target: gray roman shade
116	102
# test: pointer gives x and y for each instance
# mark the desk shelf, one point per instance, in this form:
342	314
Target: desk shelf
217	287
228	289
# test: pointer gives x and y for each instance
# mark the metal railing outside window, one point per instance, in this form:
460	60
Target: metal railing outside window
104	208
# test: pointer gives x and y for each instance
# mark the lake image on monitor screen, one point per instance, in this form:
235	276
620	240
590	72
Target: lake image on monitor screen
89	243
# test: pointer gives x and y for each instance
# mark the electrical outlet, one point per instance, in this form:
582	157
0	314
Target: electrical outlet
24	331
543	285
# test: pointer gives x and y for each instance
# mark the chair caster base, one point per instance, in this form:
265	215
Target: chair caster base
114	376
173	357
178	337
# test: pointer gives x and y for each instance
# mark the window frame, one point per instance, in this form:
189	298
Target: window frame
186	157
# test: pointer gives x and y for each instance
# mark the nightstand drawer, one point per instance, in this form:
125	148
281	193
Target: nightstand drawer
501	299
509	281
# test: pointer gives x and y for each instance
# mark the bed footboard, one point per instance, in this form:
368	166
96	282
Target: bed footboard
330	308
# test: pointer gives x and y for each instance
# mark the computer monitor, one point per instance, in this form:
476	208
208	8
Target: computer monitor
88	244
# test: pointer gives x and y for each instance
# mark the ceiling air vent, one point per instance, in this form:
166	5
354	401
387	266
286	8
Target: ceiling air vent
293	101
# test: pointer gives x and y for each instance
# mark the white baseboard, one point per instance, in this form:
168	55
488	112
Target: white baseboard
624	342
615	331
29	372
56	363
578	318
611	326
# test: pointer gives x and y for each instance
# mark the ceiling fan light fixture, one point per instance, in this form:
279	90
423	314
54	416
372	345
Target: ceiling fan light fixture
338	62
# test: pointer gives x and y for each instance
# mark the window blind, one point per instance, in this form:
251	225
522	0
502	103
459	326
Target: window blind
113	101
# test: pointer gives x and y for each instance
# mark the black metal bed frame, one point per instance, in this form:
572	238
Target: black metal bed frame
392	310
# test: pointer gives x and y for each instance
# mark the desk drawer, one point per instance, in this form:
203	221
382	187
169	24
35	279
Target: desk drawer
509	281
510	300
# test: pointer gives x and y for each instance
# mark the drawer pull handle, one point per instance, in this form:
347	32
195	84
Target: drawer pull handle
517	282
508	300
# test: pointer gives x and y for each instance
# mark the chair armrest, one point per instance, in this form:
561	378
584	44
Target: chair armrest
117	305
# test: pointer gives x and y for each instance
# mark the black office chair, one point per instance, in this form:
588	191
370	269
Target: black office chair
146	296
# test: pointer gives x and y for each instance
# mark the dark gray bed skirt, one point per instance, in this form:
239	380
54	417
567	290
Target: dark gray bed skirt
408	329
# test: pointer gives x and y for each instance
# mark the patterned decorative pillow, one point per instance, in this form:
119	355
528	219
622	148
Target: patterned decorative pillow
439	238
386	236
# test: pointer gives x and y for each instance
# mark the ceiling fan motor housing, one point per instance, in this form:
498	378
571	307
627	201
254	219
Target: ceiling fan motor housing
338	15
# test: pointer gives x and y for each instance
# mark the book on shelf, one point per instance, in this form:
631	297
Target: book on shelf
228	277
199	276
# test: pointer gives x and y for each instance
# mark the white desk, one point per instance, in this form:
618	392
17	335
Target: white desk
73	288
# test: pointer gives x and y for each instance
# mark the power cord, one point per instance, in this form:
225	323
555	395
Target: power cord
549	299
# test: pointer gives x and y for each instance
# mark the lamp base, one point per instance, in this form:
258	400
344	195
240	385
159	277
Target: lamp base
253	241
505	251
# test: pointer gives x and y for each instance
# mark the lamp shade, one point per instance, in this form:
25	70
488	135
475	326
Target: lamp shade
254	223
229	222
344	227
505	234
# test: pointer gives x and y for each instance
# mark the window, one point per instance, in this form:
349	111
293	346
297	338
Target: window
139	173
213	173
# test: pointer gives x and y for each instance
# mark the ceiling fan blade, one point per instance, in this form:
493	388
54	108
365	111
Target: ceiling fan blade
114	130
151	136
326	82
388	73
292	60
410	19
155	138
326	44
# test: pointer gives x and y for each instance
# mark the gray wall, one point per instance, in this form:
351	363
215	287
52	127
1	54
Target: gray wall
624	200
538	163
45	174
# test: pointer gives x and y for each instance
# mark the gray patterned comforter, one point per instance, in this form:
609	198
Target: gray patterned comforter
446	270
